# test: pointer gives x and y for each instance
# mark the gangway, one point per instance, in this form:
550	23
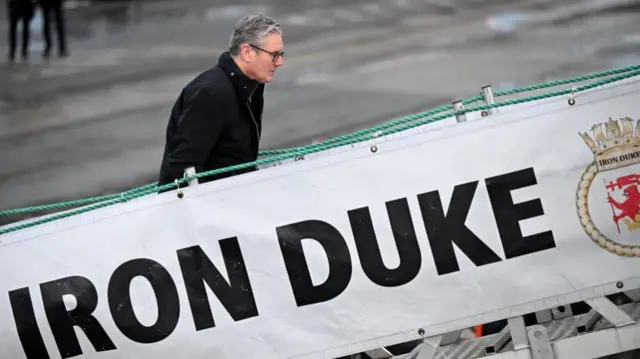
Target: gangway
521	214
610	327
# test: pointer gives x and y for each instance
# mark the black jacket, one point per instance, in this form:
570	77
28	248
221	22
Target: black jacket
20	9
216	122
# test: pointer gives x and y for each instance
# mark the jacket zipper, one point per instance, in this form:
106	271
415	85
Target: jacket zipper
254	122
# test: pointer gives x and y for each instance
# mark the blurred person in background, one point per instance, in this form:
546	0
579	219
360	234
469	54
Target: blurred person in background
217	119
19	12
53	10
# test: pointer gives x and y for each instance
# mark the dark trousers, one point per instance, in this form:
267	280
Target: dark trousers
52	11
20	13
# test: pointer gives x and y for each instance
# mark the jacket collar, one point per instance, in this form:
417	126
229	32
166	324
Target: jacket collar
244	86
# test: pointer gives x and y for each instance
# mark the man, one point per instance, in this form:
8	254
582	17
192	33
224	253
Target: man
216	121
53	10
19	12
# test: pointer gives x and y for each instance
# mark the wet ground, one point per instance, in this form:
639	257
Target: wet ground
94	123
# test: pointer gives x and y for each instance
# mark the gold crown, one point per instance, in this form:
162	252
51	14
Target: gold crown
616	133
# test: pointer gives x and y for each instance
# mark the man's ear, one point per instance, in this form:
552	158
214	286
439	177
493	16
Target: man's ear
246	52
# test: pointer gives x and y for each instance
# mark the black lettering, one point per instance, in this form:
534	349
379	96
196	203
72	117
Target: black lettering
63	321
443	231
508	214
608	161
166	295
369	250
236	295
26	324
290	239
629	156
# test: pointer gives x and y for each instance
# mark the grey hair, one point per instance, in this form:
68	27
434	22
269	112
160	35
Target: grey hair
252	29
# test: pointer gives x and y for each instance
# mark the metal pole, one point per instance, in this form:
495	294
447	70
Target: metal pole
191	171
459	106
489	99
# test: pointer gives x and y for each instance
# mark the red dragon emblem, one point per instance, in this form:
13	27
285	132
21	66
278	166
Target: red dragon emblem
629	209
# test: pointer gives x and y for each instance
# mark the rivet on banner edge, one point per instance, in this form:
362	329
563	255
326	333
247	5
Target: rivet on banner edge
572	99
180	194
373	147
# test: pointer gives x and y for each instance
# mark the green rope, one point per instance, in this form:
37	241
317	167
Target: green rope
545	85
359	136
362	133
555	83
355	137
74	203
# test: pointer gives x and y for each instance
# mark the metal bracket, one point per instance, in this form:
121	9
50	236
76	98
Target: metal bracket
489	99
587	322
544	316
189	172
518	332
561	312
459	106
603	307
540	343
499	341
610	311
515	330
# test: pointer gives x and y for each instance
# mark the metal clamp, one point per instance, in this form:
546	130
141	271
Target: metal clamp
459	106
540	344
188	172
180	194
489	99
572	96
374	147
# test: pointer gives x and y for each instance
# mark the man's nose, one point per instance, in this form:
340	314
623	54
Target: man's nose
279	61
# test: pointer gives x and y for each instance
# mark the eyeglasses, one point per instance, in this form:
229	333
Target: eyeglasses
274	55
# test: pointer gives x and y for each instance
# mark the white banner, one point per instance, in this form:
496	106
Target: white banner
439	228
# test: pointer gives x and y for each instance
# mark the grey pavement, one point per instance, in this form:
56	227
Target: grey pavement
94	123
